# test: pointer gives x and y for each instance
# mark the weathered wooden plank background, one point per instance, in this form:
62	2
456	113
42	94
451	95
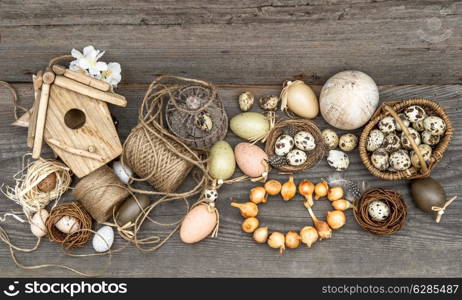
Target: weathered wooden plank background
260	43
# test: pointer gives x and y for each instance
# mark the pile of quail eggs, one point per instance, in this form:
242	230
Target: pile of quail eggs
390	147
339	159
293	150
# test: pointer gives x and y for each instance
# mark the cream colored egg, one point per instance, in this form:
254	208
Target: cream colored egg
300	99
37	226
67	225
348	99
198	224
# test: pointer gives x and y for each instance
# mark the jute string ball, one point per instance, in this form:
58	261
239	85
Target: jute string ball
73	240
99	192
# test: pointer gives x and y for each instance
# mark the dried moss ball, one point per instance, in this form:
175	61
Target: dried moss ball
48	183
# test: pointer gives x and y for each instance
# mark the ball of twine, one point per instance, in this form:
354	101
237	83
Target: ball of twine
26	191
394	222
76	239
99	192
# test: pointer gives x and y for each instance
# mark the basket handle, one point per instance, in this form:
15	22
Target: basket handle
393	113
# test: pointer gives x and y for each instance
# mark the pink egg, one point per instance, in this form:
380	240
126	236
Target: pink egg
198	224
250	159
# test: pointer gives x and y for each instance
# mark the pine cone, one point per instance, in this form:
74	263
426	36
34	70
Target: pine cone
278	161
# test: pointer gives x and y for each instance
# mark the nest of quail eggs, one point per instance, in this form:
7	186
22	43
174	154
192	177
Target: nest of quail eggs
294	145
387	150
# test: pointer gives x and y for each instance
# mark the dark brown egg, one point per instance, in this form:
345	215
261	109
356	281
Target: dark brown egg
48	183
427	192
129	210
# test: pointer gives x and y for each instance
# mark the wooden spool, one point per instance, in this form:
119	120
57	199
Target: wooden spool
99	192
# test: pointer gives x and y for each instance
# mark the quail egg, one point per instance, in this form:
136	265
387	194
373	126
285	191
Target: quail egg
348	142
400	160
435	125
406	142
269	103
246	101
404	120
375	140
338	160
430	139
415	113
419	126
387	124
204	121
380	159
391	142
378	210
283	145
211	195
296	157
330	138
426	152
304	141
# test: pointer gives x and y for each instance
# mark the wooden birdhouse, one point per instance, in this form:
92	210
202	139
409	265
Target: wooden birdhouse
71	115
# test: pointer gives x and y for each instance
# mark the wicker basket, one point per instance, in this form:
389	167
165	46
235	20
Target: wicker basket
393	108
313	156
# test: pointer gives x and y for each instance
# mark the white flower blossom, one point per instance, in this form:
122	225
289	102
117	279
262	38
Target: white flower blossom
88	60
112	74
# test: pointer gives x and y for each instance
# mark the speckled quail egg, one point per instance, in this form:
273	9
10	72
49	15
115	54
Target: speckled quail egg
435	125
391	142
404	120
330	138
387	124
378	210
419	126
406	142
348	142
415	113
283	145
380	159
304	141
338	160
400	160
296	157
430	139
211	195
375	140
426	152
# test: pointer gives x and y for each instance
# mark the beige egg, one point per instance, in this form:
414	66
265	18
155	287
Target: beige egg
37	226
299	98
67	225
250	159
198	224
348	99
221	161
249	125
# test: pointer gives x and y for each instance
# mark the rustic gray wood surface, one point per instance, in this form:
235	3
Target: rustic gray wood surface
411	48
422	248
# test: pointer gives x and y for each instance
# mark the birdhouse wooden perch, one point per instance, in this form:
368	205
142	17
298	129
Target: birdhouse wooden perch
71	115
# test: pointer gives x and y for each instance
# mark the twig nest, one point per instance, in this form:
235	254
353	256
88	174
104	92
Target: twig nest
63	216
37	225
246	100
330	138
348	99
338	160
103	239
381	211
48	184
122	172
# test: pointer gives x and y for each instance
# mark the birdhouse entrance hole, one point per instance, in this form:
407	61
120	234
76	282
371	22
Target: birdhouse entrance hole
74	118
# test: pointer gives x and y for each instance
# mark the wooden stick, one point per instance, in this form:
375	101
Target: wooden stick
41	119
89	91
37	82
82	78
78	152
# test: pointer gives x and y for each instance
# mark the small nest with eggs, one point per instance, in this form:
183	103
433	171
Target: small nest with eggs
393	108
396	218
313	156
74	240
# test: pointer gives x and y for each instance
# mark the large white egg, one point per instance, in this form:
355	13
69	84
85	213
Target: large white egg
348	99
103	239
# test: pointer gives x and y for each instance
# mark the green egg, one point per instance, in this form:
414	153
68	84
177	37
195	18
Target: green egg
221	161
249	125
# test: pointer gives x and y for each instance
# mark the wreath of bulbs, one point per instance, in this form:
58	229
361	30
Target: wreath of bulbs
308	235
